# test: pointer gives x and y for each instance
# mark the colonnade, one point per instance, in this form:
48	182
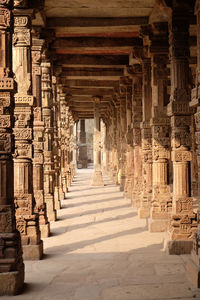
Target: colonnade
151	137
37	143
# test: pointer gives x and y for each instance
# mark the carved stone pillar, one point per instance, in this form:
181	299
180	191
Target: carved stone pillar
183	222
27	220
123	129
64	142
107	141
11	263
137	119
146	136
112	143
56	145
71	153
38	139
161	198
129	142
193	265
97	179
82	158
118	141
47	102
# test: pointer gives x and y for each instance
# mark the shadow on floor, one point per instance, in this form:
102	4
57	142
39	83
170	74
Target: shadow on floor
92	212
89	195
91	202
63	229
79	245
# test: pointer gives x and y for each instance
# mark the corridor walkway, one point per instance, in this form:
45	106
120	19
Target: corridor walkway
100	250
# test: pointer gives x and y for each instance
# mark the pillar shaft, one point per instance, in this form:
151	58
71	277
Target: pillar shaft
27	220
11	264
183	219
129	141
82	159
146	136
56	144
123	130
160	123
137	119
97	176
64	142
47	102
38	139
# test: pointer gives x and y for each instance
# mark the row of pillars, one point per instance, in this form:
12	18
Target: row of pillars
152	135
36	143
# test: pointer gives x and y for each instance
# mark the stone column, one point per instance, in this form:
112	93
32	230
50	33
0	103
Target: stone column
137	146
146	136
97	179
106	141
47	102
11	263
64	141
71	153
61	191
27	220
129	142
160	124
114	159
183	222
193	265
56	144
123	129
38	139
118	141
82	159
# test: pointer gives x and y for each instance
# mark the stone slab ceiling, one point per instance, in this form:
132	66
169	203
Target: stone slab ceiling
93	42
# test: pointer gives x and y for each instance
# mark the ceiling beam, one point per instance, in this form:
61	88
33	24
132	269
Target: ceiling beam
91	84
92	72
93	60
89	91
96	42
95	22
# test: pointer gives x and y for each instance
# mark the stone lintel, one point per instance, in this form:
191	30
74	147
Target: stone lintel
75	59
95	22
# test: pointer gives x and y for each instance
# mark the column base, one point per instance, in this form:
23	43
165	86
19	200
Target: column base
61	195
143	212
52	217
193	270
158	225
45	230
33	252
178	247
57	199
11	283
51	212
97	179
65	194
122	183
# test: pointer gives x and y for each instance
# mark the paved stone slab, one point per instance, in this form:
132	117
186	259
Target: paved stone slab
100	250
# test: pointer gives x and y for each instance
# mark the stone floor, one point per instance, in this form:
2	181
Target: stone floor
100	250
